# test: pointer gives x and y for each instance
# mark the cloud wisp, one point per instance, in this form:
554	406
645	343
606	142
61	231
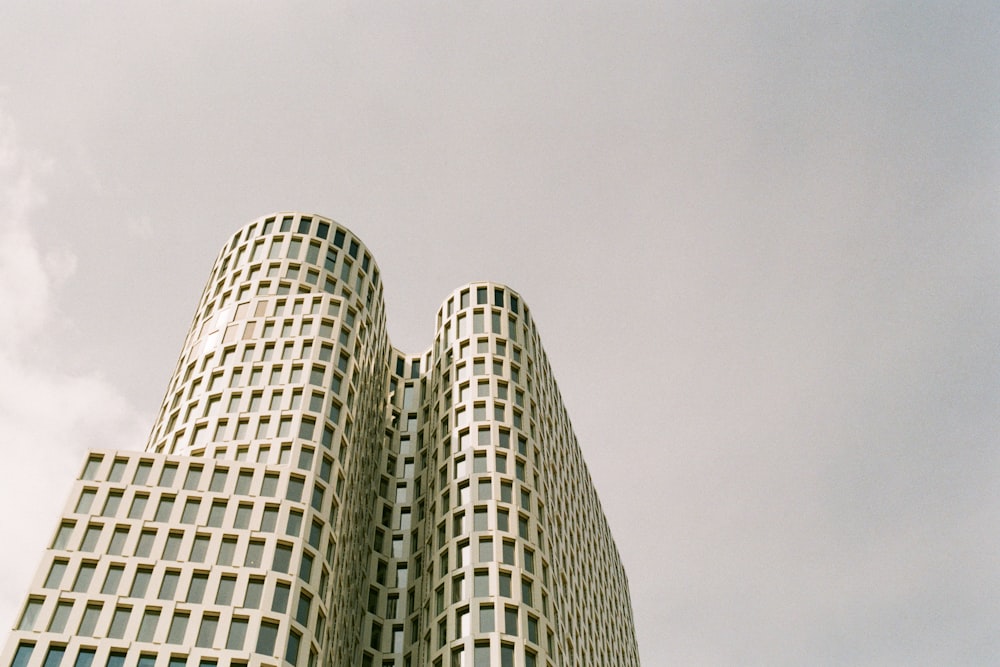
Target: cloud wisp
48	416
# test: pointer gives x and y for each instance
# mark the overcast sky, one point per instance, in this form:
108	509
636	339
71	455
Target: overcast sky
761	242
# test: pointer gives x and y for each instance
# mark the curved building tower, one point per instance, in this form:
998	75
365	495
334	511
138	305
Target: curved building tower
310	495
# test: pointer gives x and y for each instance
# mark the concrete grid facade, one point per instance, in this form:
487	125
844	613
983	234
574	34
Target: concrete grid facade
311	495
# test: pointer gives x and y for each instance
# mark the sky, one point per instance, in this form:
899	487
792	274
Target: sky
761	242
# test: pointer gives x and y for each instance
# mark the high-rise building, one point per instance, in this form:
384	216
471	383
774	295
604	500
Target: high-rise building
311	495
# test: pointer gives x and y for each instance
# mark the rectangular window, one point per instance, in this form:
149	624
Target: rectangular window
255	554
267	637
224	594
482	655
207	631
227	551
61	616
254	592
505	584
112	503
138	506
112	579
91	537
282	558
510	621
56	573
190	513
63	535
199	550
168	587
118	539
196	590
54	656
487	622
119	621
485	550
145	546
237	634
164	509
30	614
147	628
83	577
89	621
217	513
178	628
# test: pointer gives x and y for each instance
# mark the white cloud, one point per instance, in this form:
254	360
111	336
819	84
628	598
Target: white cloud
48	416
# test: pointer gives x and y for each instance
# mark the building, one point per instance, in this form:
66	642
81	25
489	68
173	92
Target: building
310	494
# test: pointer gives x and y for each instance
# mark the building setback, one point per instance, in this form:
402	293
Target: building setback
311	495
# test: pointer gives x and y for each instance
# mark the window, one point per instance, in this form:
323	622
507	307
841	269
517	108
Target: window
89	621
60	616
292	649
243	482
196	591
199	550
56	572
112	579
30	614
168	587
178	628
282	558
485	550
190	513
506	655
510	621
118	539
269	520
138	507
255	553
266	637
280	600
147	628
112	503
505	584
83	577
302	610
192	478
168	474
224	595
63	535
206	633
145	546
254	592
217	513
93	463
218	480
487	622
227	551
508	552
481	656
237	634
119	621
164	509
243	512
481	583
91	537
85	658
